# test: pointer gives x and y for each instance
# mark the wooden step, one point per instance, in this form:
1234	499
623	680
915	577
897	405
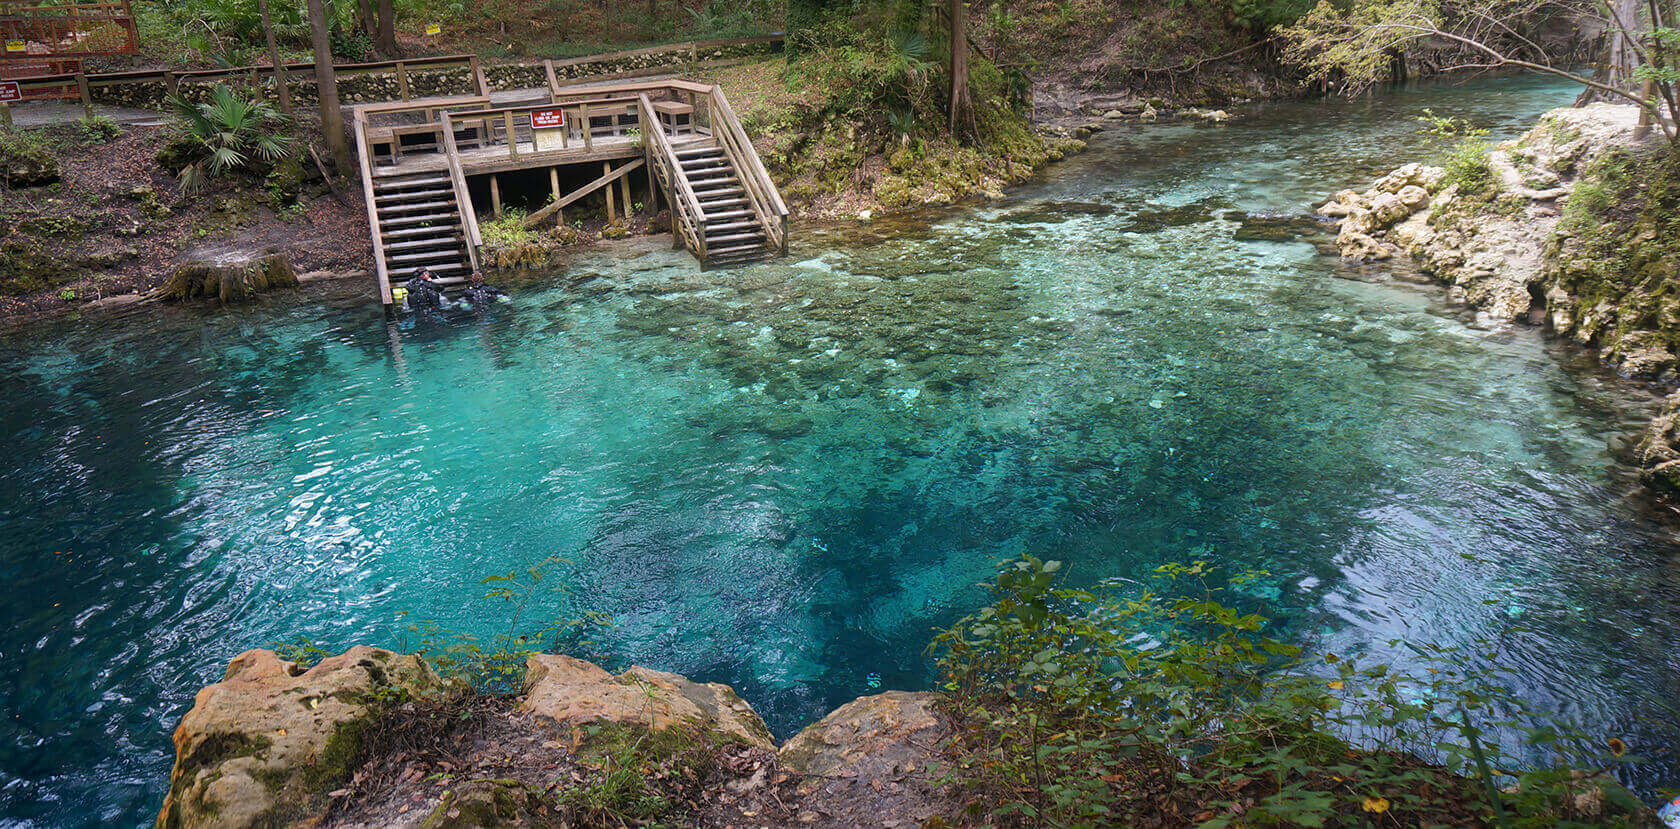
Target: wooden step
399	183
428	230
727	214
404	208
731	250
711	192
453	218
453	239
692	152
705	163
730	179
397	198
731	237
410	270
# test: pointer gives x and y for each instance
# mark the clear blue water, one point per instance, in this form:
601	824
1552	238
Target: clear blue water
784	477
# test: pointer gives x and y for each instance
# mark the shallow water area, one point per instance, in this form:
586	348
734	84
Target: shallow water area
786	476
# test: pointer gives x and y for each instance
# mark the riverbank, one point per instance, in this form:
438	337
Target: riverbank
1562	228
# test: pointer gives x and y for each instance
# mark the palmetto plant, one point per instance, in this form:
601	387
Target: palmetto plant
231	132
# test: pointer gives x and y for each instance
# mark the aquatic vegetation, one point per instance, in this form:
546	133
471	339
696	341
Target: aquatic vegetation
1125	702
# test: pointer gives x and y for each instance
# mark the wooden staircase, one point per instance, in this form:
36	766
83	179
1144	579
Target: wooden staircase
732	232
419	227
724	207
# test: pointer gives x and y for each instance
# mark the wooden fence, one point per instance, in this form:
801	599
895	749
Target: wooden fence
388	80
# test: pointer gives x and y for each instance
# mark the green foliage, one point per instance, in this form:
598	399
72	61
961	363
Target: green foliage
624	794
1264	15
507	230
229	133
498	666
26	159
1462	150
1353	43
97	130
1085	708
306	652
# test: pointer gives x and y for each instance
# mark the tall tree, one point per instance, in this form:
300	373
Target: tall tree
385	40
326	86
1621	50
282	88
962	104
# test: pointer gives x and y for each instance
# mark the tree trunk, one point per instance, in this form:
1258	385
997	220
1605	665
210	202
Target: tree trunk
386	40
1620	57
365	18
961	105
326	84
282	87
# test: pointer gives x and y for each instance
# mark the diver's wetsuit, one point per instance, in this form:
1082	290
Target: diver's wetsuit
423	295
482	296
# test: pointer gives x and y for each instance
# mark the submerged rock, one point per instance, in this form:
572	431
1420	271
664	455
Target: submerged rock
264	745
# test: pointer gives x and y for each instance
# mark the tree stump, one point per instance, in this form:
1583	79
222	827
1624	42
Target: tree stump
229	277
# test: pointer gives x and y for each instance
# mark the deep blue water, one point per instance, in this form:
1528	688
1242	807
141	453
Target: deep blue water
785	476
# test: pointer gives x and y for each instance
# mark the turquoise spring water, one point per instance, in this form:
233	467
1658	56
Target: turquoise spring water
785	476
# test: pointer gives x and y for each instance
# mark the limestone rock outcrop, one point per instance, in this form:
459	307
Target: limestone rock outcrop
1491	256
889	745
575	692
265	745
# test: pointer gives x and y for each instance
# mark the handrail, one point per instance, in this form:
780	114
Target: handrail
372	213
463	196
690	204
759	189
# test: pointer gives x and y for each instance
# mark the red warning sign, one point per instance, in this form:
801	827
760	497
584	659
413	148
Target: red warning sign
544	119
9	91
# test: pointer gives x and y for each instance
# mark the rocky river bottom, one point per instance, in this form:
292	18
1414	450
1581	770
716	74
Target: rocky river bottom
785	476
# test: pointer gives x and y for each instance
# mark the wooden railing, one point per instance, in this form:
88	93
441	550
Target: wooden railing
761	192
463	196
687	219
362	155
511	126
71	30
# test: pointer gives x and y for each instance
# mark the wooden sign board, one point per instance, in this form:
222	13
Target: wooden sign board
9	91
548	129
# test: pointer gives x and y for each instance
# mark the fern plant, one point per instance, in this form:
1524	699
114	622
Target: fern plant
230	132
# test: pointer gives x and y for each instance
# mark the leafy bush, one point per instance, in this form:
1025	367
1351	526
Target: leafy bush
229	133
1463	154
1080	708
26	160
97	130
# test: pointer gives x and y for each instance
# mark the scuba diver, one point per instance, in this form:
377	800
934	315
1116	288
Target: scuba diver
423	292
480	295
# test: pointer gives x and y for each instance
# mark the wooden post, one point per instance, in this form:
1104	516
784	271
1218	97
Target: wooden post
5	115
626	182
173	84
612	212
653	188
583	118
495	195
87	100
478	77
554	186
553	82
512	137
402	80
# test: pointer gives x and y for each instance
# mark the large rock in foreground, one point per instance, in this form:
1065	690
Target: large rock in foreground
872	757
264	745
575	692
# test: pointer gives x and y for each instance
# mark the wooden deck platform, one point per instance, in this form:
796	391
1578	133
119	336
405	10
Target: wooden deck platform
418	159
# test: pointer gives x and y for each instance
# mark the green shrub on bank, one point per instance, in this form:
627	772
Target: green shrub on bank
225	134
1077	707
26	160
